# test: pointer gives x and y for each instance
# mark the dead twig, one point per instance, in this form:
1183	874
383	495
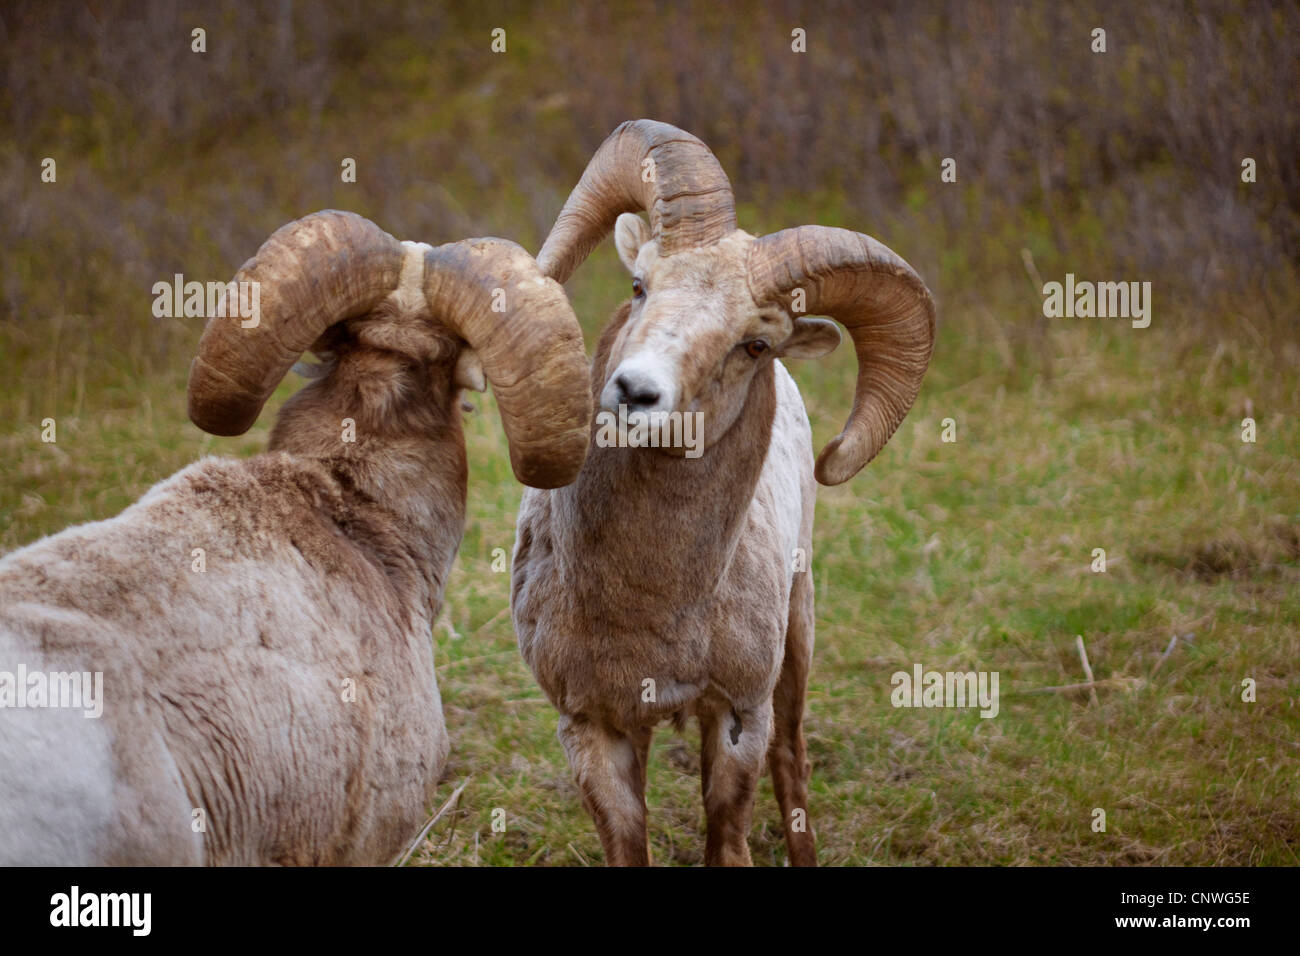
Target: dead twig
578	853
455	796
1031	270
490	621
1117	683
459	662
1087	670
1173	642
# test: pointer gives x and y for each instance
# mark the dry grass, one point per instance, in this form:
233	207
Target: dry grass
973	555
977	555
1072	434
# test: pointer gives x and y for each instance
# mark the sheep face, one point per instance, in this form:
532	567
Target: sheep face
816	270
695	337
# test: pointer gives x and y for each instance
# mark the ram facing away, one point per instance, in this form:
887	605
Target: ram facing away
275	702
660	585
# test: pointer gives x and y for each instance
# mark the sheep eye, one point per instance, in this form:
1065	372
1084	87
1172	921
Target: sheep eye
756	348
638	289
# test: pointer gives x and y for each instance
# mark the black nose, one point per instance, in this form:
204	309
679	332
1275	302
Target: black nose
634	392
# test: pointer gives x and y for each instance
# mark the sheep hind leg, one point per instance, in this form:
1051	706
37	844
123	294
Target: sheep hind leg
610	771
731	761
788	754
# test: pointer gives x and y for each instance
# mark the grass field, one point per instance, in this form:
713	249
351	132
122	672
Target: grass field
977	554
969	555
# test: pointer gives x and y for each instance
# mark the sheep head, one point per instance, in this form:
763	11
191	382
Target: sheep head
711	303
335	282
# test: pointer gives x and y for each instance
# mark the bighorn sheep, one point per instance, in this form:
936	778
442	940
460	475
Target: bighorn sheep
658	585
278	703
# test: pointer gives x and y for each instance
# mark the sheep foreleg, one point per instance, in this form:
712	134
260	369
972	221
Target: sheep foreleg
610	769
733	746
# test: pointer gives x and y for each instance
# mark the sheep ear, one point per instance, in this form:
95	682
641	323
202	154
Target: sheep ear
811	338
469	371
631	232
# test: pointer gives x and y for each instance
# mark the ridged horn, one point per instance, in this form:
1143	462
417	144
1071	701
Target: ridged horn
682	187
333	265
492	294
887	310
311	273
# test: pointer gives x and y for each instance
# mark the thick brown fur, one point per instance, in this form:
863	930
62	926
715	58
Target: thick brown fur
663	584
659	567
280	706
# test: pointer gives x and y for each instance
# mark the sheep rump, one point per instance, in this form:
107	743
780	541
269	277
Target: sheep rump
230	701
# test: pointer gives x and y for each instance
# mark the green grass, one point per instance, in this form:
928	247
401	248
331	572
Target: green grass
967	555
976	555
1071	435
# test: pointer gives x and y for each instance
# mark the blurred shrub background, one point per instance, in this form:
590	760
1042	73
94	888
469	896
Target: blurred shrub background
1122	165
1073	434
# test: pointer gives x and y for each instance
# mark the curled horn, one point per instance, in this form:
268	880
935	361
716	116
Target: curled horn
532	352
887	310
333	265
311	273
682	187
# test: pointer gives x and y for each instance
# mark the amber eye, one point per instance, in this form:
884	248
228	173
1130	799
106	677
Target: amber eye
638	288
756	348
